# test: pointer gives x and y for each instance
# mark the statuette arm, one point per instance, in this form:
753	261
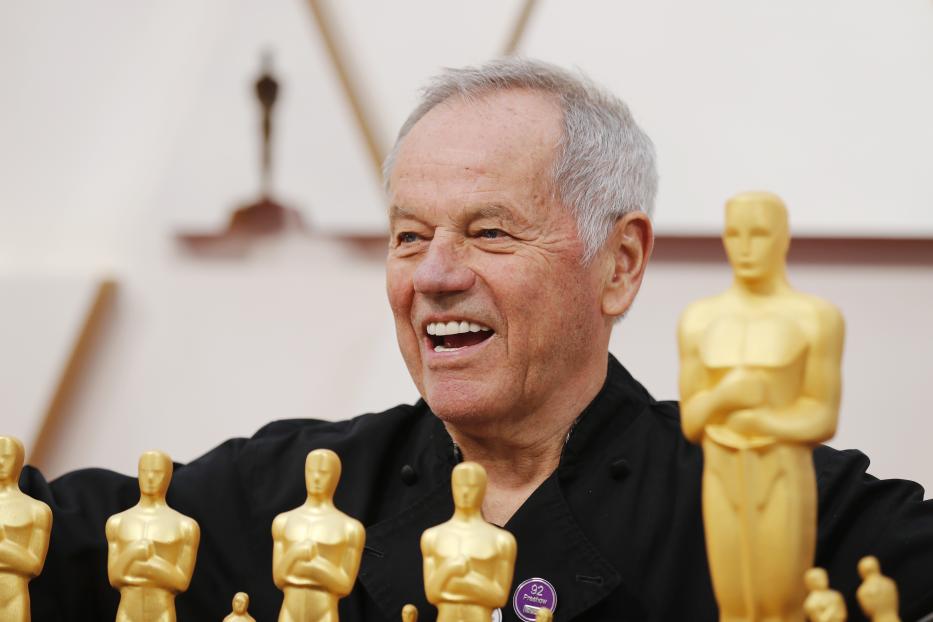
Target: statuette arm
812	417
119	561
28	559
175	577
702	402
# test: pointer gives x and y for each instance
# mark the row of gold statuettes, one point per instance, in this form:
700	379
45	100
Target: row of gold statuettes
316	548
313	578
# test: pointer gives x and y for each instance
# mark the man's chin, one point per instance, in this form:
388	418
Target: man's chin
460	407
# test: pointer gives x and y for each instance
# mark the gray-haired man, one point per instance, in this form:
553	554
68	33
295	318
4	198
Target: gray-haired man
519	206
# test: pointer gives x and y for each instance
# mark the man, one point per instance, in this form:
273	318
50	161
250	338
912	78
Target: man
519	200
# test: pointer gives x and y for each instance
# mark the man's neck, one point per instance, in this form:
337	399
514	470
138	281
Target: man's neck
521	453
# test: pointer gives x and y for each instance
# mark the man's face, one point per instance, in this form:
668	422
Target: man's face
755	238
154	474
479	249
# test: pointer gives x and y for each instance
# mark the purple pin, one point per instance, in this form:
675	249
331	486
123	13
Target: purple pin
531	595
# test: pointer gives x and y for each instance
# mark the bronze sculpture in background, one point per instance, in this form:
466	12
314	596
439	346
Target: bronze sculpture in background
822	604
409	613
151	548
877	595
316	547
25	526
759	387
468	563
240	609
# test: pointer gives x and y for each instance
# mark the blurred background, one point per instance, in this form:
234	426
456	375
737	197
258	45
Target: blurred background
158	290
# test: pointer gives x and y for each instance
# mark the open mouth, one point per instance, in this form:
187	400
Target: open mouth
453	335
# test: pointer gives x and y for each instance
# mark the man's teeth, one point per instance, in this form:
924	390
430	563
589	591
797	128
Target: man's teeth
455	328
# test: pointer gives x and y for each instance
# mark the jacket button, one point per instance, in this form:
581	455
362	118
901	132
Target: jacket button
619	469
408	475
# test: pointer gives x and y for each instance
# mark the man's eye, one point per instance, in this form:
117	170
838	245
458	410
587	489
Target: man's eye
407	237
491	234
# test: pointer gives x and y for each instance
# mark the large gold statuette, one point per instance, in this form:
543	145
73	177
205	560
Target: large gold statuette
468	563
151	548
25	526
316	547
759	386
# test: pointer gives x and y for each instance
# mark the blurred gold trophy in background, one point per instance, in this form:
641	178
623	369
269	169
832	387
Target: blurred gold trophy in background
409	613
822	604
25	527
759	387
316	547
468	563
877	595
240	607
151	548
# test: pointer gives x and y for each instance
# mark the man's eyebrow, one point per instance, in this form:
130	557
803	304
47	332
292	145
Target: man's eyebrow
496	211
397	211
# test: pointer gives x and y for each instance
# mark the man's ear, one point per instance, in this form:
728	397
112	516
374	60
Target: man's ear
627	251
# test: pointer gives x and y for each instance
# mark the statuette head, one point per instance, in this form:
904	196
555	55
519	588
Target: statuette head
240	603
816	579
756	235
868	567
155	473
322	472
12	455
469	485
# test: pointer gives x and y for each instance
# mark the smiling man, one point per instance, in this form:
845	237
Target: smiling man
519	202
503	312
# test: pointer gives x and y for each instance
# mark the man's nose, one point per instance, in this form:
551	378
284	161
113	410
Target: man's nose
443	268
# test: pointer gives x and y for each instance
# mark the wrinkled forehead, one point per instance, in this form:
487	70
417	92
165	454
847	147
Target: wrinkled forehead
511	134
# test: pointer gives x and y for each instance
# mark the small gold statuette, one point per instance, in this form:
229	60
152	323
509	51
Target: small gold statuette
409	613
468	563
151	548
877	595
240	607
544	615
25	526
759	387
822	604
316	547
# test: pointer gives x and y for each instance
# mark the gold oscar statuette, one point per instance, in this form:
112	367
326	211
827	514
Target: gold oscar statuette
759	388
151	548
822	604
25	527
240	609
316	547
409	613
877	595
468	563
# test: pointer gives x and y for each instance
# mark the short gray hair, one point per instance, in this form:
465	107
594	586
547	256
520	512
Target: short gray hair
605	165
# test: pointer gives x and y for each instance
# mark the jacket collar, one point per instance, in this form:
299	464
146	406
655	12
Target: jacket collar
551	544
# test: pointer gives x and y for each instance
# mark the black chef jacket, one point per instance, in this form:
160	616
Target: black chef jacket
616	529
